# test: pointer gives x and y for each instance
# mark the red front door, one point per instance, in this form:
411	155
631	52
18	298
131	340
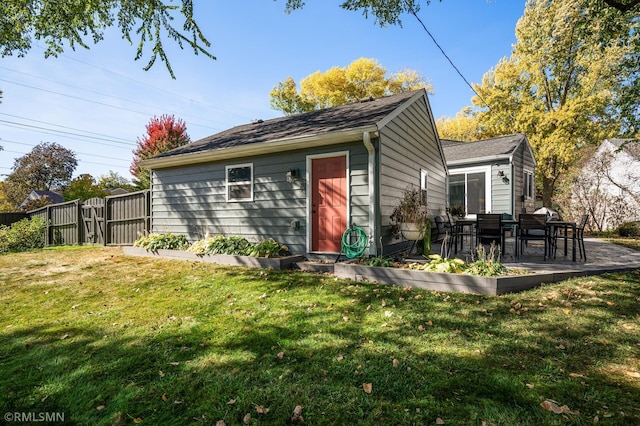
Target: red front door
328	203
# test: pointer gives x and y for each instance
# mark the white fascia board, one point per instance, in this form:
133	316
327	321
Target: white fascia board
272	146
478	160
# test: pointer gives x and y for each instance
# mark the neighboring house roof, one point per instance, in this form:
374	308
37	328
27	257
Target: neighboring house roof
55	197
316	128
503	147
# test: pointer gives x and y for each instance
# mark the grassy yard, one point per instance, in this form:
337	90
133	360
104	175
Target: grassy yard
108	339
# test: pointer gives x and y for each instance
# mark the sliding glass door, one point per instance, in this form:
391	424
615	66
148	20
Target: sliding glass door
470	191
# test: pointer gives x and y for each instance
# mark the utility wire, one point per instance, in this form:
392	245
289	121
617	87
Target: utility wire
31	126
77	152
84	162
114	138
413	12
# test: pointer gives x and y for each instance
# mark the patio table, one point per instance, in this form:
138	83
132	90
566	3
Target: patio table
460	224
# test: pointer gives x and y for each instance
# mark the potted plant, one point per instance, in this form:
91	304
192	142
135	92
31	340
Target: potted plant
411	216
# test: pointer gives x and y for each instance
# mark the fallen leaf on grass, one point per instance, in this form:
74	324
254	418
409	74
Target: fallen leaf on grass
340	357
396	363
566	311
429	323
297	415
231	402
100	407
439	421
553	406
164	397
246	419
161	373
530	386
261	410
137	420
383	303
221	423
280	355
368	387
420	327
64	336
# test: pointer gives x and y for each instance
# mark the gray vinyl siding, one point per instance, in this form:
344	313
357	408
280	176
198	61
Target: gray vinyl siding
522	160
409	144
501	190
191	200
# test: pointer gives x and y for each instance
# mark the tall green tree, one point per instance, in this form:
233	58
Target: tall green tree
362	78
565	83
48	166
163	134
82	188
113	180
78	23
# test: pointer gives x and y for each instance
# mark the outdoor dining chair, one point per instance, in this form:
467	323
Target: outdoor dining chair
533	227
580	236
488	228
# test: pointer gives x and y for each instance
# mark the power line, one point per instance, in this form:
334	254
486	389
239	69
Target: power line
83	161
114	138
413	12
31	126
77	152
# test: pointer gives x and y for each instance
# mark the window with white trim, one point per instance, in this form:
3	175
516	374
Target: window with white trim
239	182
529	184
424	187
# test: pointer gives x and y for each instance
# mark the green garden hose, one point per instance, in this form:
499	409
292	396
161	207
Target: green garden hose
357	248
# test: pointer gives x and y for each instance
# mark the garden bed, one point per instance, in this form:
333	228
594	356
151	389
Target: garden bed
221	259
444	281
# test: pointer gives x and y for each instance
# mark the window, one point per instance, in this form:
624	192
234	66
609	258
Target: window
240	182
424	187
470	191
529	184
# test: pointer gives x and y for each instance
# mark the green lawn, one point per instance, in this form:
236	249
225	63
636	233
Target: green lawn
109	339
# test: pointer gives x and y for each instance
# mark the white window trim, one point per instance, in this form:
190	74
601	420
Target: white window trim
227	183
529	184
424	185
487	185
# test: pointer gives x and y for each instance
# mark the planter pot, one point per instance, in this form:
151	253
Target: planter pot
412	231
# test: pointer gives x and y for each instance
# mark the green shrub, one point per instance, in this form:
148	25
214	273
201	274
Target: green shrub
238	246
169	241
26	234
629	229
268	248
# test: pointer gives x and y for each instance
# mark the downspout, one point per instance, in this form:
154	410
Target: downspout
373	229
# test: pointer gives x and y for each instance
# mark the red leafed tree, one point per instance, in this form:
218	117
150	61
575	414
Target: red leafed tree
163	134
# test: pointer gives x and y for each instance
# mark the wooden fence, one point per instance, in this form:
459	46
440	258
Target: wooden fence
114	220
9	218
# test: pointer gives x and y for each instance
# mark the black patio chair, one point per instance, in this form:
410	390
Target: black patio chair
489	228
580	236
533	227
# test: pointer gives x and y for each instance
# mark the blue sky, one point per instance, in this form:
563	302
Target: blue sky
97	102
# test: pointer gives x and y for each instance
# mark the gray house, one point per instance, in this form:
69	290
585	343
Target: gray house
491	176
303	179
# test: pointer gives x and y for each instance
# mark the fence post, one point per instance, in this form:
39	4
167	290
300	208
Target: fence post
79	222
105	218
48	237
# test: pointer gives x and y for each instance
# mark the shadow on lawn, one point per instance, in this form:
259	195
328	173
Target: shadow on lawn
474	360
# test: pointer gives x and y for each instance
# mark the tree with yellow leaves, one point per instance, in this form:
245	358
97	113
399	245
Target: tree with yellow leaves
565	85
363	78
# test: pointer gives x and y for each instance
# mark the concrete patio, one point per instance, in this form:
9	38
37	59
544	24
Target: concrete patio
601	257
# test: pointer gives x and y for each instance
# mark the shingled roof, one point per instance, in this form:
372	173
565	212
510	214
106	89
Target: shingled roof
495	148
367	112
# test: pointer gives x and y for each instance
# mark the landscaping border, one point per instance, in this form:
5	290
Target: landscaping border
437	281
220	259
